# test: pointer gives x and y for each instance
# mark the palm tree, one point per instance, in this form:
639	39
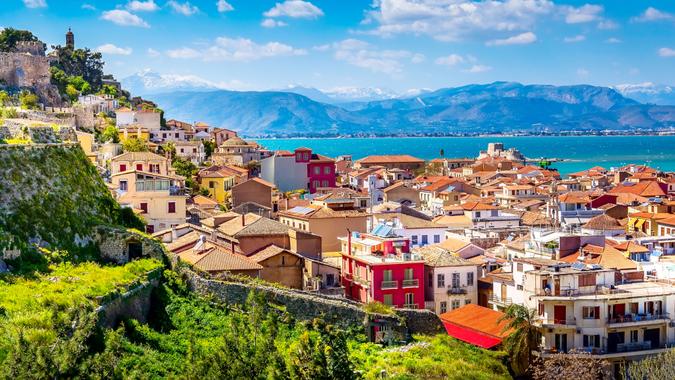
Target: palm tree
523	338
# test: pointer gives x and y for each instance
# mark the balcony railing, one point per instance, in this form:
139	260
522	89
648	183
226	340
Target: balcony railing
637	318
389	285
456	290
501	301
410	306
411	283
556	321
567	292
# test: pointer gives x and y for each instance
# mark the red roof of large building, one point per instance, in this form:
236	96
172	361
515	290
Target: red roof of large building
476	325
389	159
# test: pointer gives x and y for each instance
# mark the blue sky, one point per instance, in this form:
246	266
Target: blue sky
394	44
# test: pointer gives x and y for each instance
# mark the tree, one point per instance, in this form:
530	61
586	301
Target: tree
5	98
133	144
10	36
209	147
28	100
574	365
524	336
661	366
80	62
110	133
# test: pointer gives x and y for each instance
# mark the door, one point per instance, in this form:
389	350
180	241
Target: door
503	292
561	342
614	339
557	287
135	250
559	314
653	336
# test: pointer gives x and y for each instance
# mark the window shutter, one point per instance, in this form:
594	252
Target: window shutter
597	312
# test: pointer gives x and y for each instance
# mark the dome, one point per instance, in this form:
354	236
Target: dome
235	141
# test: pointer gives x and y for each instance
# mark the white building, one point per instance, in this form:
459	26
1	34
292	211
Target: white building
451	281
420	231
285	171
148	119
192	151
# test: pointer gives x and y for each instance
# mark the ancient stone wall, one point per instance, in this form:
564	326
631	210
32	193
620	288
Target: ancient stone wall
19	70
134	303
115	243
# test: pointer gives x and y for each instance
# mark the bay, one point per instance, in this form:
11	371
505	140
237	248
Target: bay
580	152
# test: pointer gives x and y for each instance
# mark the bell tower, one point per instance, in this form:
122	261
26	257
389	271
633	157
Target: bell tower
70	39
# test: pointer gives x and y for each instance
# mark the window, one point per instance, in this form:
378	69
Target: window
326	170
408	274
633	336
386	275
123	185
154	168
633	307
444	307
305	156
592	341
182	150
440	280
590	312
477	214
388	299
409	299
467	301
139	167
317	170
315	183
540	309
212	185
455	304
425	239
176	135
414	239
455	280
144	207
587	279
330	279
324	183
519	267
469	279
123	167
172	207
437	239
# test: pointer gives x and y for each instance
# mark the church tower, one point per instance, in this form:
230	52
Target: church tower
70	39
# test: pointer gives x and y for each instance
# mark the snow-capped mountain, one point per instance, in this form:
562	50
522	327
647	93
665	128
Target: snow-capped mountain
339	95
150	82
648	92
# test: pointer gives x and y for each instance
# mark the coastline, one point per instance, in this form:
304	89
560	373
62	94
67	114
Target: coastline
495	135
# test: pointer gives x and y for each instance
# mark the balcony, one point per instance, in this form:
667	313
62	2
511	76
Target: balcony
456	290
505	302
621	350
557	322
411	283
389	285
630	318
410	306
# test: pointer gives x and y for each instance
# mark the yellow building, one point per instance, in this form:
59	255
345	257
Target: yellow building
134	132
645	222
86	141
158	198
220	179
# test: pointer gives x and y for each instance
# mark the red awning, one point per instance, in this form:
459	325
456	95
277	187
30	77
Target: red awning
471	336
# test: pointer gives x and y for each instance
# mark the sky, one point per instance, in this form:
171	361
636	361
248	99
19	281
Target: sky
394	44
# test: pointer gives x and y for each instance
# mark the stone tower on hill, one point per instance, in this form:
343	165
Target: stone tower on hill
70	39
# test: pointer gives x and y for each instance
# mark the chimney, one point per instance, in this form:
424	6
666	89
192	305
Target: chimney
214	235
174	233
243	220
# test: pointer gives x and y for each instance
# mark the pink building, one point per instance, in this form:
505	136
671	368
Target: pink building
379	267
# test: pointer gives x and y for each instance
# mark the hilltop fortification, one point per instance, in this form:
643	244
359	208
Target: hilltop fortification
27	67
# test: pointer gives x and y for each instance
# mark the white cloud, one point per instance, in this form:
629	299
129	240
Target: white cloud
583	72
666	52
418	58
653	14
583	14
613	40
451	20
153	53
294	9
361	54
476	69
124	18
607	25
186	9
88	6
142	6
224	6
520	39
237	49
183	53
35	3
114	50
577	38
272	23
450	60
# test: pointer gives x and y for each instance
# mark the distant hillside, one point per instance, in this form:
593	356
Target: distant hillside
495	107
648	93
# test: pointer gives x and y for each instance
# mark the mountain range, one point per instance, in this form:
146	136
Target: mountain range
499	107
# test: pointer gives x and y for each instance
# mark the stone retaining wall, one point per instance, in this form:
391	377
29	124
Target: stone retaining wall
135	303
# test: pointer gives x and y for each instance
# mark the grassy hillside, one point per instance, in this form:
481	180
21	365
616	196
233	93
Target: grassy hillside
52	196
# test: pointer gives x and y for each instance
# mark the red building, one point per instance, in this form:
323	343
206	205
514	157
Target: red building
320	169
379	267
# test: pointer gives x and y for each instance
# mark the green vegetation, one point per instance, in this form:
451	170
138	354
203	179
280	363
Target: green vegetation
71	85
5	98
378	308
524	337
186	169
10	36
661	366
73	63
439	357
28	100
55	193
48	320
133	144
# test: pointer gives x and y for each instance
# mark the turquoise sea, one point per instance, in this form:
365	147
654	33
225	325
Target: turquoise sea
581	152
